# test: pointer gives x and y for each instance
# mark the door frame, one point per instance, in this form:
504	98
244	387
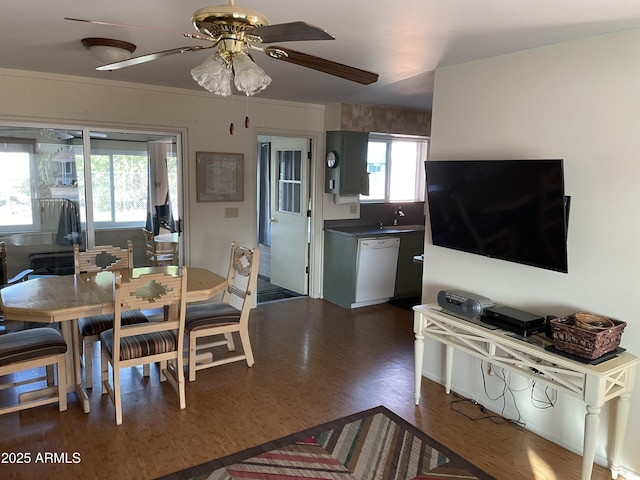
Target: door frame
316	173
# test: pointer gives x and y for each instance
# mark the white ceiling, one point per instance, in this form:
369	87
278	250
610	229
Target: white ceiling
401	41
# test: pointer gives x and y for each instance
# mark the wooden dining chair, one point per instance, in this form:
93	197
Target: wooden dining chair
5	281
206	323
158	257
104	257
96	259
144	343
4	271
34	348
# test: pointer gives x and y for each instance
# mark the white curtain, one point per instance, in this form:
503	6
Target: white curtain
159	214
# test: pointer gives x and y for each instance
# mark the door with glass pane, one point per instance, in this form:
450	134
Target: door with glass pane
289	220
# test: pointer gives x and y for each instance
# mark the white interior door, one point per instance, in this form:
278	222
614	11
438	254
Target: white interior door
289	220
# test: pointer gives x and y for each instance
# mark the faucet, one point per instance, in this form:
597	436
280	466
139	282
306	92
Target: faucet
398	213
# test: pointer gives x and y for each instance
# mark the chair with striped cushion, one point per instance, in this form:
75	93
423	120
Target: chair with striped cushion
206	321
145	343
28	349
96	259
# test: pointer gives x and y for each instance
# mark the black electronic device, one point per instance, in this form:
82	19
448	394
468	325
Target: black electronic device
524	331
512	316
463	303
514	210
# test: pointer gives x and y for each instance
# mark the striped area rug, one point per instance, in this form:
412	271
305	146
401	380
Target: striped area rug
374	444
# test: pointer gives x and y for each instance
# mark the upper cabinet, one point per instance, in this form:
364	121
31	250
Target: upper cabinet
346	163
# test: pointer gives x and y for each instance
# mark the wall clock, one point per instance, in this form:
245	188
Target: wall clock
332	159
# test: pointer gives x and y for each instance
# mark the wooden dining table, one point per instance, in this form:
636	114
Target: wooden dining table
63	299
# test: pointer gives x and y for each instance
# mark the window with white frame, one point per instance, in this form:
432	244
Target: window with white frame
396	168
44	169
120	188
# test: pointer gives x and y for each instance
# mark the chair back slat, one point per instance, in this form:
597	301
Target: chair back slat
151	291
243	260
104	257
242	277
238	292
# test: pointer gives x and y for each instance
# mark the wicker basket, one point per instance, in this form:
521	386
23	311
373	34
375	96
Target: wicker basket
586	335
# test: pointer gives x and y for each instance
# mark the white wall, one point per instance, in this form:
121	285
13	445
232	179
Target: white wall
579	101
204	119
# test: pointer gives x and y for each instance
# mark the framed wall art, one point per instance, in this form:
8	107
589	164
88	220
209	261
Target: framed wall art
220	177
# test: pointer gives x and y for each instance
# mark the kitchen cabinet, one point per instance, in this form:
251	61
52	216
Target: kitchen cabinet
339	279
409	273
341	255
346	165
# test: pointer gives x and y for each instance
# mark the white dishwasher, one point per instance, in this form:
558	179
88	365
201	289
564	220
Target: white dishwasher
376	265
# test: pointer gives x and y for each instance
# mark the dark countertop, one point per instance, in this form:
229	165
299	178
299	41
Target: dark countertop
375	231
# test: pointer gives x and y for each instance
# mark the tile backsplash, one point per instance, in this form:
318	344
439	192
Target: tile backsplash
373	213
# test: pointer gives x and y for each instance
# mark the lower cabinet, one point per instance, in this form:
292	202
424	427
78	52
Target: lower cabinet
409	273
339	278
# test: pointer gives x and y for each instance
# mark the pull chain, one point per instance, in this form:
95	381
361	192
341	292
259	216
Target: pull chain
246	118
232	128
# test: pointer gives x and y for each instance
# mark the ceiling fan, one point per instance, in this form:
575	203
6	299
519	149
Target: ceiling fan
236	31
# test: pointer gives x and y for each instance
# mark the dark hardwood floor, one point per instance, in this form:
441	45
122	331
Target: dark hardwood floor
315	362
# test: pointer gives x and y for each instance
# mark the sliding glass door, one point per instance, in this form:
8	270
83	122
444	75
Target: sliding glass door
61	186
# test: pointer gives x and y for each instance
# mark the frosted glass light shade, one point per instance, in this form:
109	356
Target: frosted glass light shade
214	75
108	50
249	77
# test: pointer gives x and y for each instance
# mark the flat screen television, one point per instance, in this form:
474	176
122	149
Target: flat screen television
514	210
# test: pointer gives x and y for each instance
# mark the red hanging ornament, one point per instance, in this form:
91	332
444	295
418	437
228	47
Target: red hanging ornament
246	121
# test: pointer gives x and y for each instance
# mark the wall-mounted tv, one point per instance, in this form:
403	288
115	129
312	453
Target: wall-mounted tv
514	210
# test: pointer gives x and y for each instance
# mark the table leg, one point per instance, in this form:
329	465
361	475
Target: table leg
65	329
71	335
418	358
622	415
448	368
592	420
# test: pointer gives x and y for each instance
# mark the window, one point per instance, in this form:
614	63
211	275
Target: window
35	171
289	181
15	187
396	168
113	176
44	182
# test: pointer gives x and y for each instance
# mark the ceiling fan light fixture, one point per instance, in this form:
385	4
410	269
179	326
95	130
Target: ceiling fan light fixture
248	76
214	75
217	71
108	50
234	31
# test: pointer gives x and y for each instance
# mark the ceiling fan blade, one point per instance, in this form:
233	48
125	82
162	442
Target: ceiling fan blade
152	56
290	32
322	65
125	25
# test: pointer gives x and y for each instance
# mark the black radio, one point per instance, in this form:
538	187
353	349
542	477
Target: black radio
463	303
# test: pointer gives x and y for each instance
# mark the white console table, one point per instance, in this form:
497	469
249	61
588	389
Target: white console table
593	384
